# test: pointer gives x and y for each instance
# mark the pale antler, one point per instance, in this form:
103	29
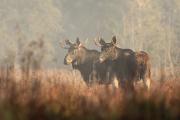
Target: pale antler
65	42
97	42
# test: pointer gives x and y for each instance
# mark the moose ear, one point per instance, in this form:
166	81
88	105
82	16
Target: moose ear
102	42
114	40
78	41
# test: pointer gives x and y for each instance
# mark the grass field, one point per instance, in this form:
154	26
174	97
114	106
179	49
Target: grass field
62	95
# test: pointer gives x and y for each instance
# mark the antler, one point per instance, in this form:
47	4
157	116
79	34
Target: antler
86	41
65	42
97	43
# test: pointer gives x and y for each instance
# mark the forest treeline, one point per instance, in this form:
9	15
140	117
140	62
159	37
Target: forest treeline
30	31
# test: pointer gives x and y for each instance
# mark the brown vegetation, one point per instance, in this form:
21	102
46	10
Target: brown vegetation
61	94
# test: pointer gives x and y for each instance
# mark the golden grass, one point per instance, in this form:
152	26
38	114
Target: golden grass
62	94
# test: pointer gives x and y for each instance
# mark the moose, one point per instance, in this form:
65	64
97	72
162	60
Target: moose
87	62
128	66
144	68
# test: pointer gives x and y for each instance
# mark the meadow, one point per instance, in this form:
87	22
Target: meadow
35	85
62	95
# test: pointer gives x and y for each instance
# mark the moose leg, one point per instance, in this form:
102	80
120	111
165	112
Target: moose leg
129	89
147	83
131	85
93	78
147	80
115	82
121	83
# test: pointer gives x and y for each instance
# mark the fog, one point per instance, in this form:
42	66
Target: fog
149	25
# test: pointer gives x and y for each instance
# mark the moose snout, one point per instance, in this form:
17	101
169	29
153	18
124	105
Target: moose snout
101	59
67	60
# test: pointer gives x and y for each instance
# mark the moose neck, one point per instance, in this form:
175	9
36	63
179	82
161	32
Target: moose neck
82	55
87	56
116	53
123	52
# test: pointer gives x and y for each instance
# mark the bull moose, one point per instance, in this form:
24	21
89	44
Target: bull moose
128	66
87	62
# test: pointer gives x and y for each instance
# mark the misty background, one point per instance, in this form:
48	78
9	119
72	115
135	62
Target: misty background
31	30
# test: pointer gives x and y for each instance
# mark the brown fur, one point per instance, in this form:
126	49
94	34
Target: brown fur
144	67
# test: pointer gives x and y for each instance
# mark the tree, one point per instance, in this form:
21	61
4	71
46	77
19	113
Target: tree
144	27
35	18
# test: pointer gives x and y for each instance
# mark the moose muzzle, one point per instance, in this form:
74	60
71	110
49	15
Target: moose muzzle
67	60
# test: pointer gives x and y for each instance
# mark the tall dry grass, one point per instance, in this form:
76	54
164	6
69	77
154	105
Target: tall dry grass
62	95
